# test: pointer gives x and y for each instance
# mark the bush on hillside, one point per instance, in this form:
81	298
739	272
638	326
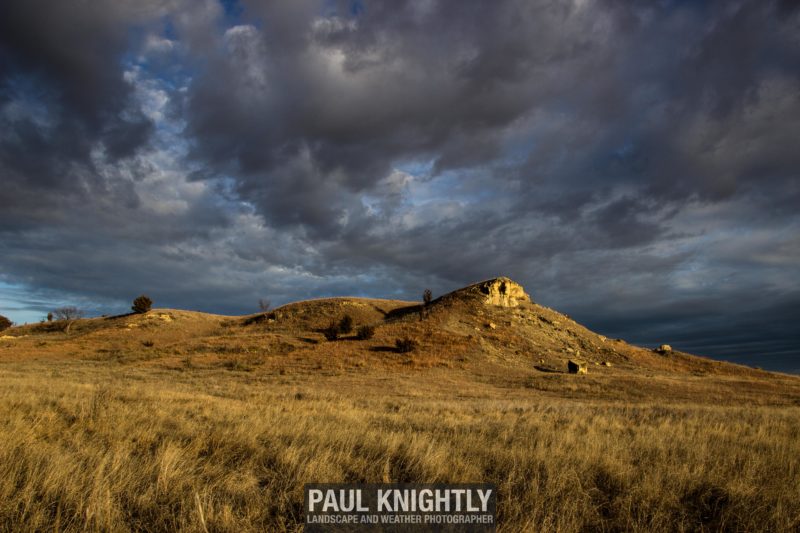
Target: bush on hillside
405	345
4	323
142	304
365	332
427	298
346	325
332	331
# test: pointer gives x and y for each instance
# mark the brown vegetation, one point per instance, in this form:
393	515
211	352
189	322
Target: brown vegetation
174	420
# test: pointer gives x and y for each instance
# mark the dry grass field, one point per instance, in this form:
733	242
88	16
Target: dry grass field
176	420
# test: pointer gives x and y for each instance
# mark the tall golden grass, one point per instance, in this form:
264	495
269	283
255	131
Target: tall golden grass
90	447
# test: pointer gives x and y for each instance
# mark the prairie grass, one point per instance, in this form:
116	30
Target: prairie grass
90	446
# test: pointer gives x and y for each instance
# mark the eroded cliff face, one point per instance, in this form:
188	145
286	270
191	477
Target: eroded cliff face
503	292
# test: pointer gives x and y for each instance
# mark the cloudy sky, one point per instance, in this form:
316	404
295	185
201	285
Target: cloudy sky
633	164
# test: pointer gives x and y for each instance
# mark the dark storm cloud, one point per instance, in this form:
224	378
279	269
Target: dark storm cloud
64	58
626	161
65	106
299	100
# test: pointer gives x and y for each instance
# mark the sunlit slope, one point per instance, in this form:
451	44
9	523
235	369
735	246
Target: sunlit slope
491	332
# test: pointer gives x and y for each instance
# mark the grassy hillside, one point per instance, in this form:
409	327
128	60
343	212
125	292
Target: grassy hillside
180	420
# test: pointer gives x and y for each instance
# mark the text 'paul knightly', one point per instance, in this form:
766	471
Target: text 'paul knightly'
394	507
400	500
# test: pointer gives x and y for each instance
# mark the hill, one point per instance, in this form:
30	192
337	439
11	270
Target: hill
490	332
178	420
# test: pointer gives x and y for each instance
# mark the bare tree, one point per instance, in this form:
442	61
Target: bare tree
68	313
264	305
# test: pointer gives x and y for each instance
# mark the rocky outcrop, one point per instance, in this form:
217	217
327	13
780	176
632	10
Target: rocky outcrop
577	367
502	292
664	349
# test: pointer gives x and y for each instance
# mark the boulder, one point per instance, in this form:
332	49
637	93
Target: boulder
664	349
577	367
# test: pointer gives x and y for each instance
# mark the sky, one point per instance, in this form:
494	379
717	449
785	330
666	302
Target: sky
632	164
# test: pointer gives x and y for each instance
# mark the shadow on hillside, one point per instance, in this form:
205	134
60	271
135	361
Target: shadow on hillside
548	369
340	338
401	312
123	315
384	349
256	319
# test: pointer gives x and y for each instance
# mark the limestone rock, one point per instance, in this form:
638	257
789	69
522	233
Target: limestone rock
664	349
606	363
503	292
577	367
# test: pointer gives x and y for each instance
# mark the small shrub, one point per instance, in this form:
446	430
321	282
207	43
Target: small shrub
346	325
405	345
427	297
4	323
332	331
142	304
148	344
49	317
237	366
365	332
